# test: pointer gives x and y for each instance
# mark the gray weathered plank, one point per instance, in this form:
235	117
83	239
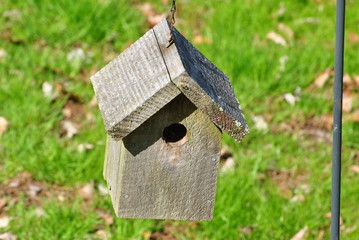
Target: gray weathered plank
202	82
160	180
133	87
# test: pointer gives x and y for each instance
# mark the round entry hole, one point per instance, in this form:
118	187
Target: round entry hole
174	133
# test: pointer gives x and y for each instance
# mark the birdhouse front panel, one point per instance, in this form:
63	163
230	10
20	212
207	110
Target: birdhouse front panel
167	167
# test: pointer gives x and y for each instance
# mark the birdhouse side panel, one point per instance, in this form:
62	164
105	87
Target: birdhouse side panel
168	165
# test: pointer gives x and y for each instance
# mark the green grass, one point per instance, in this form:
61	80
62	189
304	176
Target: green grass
37	42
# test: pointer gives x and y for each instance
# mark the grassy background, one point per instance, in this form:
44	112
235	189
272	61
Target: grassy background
273	165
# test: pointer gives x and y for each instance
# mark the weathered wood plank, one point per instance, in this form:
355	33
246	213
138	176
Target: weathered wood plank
133	87
163	180
202	82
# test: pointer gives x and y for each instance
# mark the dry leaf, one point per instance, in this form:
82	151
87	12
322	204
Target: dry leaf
290	98
2	54
321	235
199	39
246	230
322	78
347	102
282	62
153	18
353	116
48	91
228	165
86	191
356	80
276	38
347	80
287	31
280	12
40	212
4	221
93	102
297	198
34	190
102	189
69	128
350	229
102	234
7	236
353	38
260	123
107	218
300	235
329	216
84	147
354	168
313	20
12	14
4	124
76	55
3	204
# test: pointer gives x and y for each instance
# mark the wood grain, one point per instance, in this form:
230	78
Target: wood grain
160	180
133	87
202	82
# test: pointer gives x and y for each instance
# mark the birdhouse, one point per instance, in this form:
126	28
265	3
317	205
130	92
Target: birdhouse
164	109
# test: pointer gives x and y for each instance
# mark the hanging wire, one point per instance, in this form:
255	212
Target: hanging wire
173	21
337	121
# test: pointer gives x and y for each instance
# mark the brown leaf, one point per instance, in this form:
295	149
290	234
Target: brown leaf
276	38
290	98
246	230
3	204
347	80
86	191
260	123
73	109
199	39
153	18
93	102
69	128
322	78
40	212
300	235
354	168
321	235
102	234
356	80
286	30
353	116
4	221
107	218
34	190
328	215
102	189
4	124
228	165
353	38
7	236
347	102
2	54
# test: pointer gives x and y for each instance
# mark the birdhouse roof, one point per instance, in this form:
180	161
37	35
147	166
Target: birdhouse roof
149	74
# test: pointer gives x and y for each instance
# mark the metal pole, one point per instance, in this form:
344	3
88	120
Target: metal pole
337	123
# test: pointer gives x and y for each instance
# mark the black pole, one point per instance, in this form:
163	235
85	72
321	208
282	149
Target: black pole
337	122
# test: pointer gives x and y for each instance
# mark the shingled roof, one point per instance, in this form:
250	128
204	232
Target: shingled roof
148	75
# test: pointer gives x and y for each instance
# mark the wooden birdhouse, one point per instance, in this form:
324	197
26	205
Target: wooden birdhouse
164	110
